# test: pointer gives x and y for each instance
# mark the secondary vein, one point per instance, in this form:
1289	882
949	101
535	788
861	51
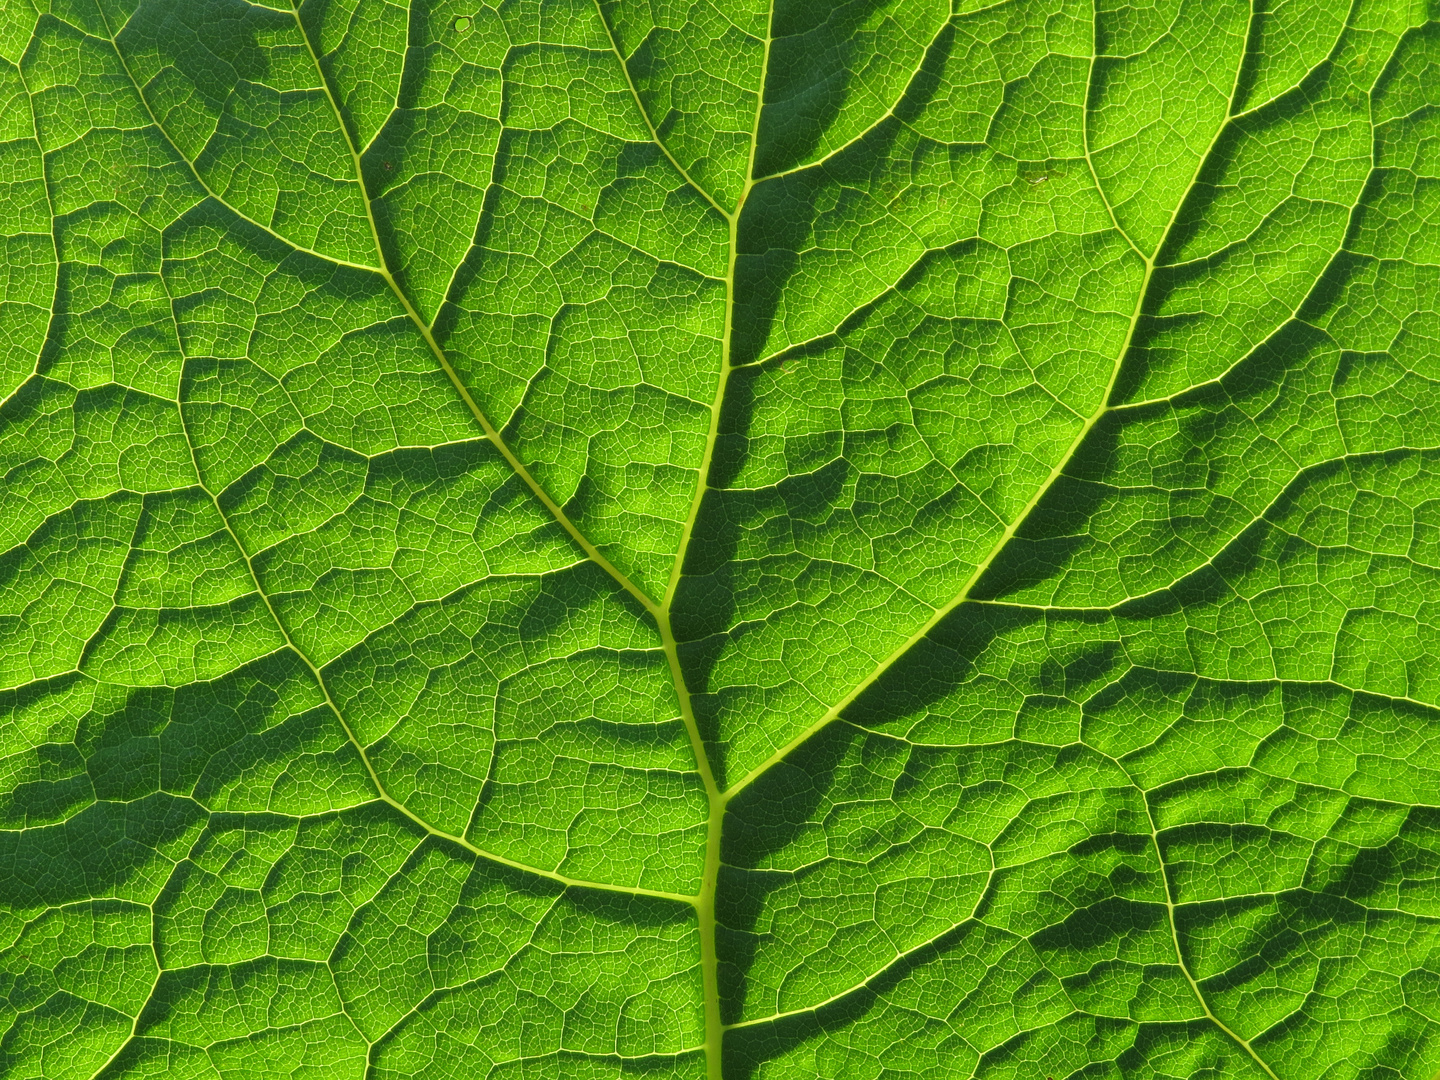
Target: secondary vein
319	676
1055	473
491	432
650	124
1180	953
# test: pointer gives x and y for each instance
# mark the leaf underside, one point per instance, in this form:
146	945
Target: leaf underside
698	538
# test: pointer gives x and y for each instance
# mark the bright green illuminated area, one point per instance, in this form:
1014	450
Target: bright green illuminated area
715	540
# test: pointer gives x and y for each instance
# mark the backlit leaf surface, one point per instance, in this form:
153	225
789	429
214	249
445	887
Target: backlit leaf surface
691	538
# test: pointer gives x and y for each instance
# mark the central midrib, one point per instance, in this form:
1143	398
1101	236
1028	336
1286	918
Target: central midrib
706	922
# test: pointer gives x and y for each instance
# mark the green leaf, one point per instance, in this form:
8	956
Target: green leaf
720	539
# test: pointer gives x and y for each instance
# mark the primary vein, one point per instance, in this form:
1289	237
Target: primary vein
705	907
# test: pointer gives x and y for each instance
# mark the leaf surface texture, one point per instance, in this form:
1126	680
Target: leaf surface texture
720	539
